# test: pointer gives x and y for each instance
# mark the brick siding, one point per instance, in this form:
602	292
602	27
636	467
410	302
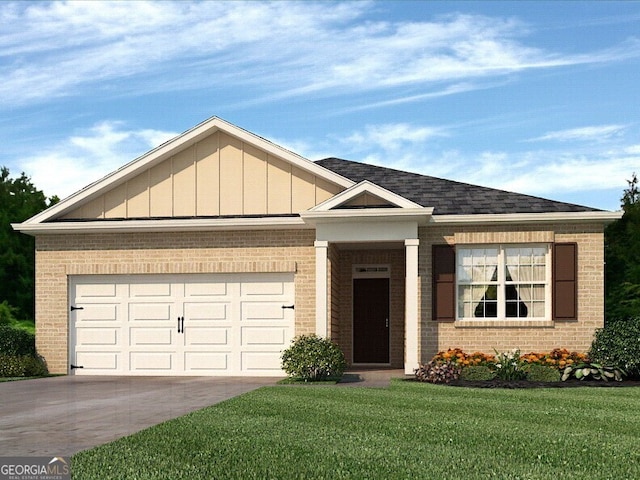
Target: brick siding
506	335
58	256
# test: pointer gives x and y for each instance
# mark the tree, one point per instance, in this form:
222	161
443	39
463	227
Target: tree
19	200
622	252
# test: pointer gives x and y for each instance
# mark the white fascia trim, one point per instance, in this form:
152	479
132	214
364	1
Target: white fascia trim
173	146
421	215
365	186
168	225
571	217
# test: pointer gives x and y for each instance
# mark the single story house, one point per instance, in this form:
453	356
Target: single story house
208	254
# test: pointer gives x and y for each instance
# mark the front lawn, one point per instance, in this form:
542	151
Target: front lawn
411	430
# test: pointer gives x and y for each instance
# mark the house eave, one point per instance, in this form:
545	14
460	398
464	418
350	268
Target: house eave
604	217
348	215
163	225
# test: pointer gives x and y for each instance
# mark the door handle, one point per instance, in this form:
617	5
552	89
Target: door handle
179	326
183	325
386	323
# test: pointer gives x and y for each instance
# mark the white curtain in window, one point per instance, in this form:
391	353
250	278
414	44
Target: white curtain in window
479	291
522	274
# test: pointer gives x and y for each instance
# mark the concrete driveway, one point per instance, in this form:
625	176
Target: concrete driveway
59	416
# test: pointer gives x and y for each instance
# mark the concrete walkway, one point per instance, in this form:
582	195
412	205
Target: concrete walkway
366	377
59	416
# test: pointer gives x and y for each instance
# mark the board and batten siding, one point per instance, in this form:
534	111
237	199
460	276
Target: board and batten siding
217	176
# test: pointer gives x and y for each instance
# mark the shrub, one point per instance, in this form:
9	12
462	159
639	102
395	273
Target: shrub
22	366
438	372
618	345
7	313
542	373
311	358
477	372
14	341
592	371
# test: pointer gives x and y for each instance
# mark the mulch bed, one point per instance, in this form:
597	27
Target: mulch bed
527	384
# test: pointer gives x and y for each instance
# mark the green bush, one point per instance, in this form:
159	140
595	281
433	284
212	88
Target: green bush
7	313
17	342
477	372
438	372
618	345
22	366
311	358
542	373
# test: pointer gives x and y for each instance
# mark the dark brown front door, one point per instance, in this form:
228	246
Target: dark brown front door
371	320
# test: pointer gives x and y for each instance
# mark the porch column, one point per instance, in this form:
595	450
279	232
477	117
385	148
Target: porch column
322	247
411	331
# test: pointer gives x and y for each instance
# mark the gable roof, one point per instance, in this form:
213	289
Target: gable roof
365	187
448	197
170	149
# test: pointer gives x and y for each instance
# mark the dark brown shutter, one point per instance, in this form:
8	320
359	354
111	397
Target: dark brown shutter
565	281
444	283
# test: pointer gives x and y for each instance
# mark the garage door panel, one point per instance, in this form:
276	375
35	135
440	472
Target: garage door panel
260	362
98	336
99	362
206	311
200	289
94	312
89	290
151	361
206	361
262	311
263	336
150	311
207	336
262	288
150	336
150	290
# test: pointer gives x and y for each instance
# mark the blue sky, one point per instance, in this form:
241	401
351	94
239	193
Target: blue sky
533	97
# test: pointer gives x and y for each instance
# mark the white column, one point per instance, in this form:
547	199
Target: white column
322	247
411	323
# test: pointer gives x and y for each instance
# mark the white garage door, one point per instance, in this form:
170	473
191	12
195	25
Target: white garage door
222	324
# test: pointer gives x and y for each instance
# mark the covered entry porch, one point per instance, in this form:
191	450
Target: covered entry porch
367	297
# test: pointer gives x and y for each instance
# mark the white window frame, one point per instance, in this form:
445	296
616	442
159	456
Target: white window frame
501	282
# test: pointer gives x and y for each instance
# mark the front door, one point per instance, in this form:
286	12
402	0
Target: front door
370	320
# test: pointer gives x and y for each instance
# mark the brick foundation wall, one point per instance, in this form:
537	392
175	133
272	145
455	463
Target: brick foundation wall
574	335
58	256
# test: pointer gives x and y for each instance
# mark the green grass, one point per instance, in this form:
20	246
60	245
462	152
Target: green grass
410	430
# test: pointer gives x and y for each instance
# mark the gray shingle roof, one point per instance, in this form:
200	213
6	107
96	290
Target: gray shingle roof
446	196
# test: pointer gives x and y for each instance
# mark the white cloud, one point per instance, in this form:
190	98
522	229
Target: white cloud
82	159
56	49
390	136
590	133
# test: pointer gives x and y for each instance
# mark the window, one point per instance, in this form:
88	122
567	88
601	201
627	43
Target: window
503	282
